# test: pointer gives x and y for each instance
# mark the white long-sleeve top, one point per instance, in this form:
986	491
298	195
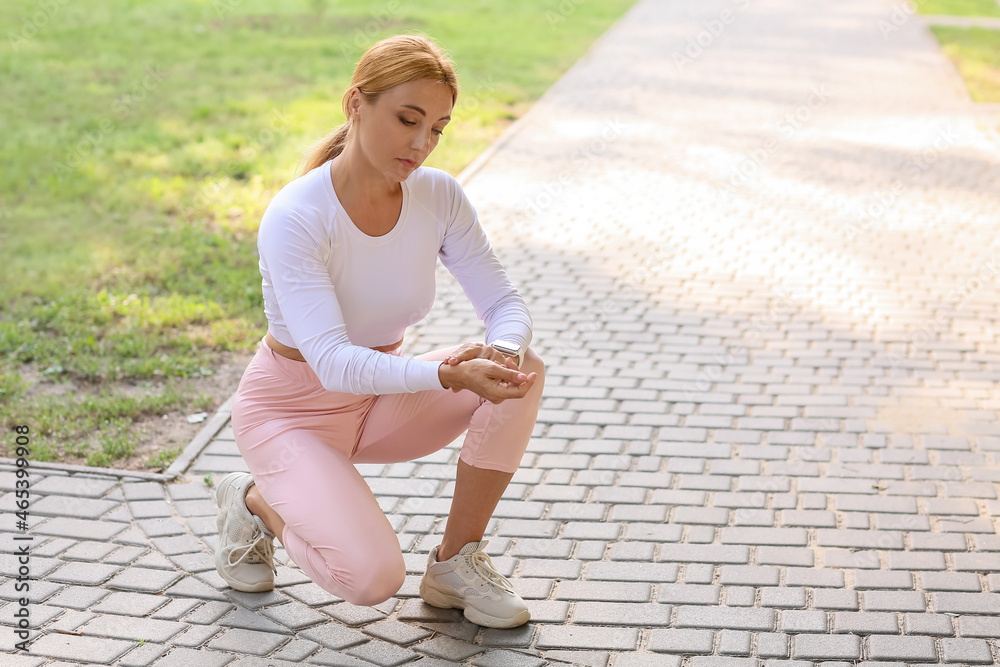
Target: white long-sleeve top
334	292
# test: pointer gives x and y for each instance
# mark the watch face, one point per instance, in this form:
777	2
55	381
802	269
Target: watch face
505	347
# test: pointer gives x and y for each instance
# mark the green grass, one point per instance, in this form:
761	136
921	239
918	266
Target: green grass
142	142
976	54
164	458
959	7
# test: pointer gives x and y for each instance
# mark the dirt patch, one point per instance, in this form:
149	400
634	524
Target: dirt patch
166	431
172	430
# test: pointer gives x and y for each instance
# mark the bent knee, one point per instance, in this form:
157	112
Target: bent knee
376	585
533	363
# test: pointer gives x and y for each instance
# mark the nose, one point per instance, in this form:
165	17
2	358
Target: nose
420	141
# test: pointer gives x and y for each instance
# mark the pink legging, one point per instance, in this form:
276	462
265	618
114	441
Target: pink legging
300	443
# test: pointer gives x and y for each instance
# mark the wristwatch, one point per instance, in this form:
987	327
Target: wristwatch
510	349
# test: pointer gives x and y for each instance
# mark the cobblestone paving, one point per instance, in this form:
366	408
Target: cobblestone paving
758	240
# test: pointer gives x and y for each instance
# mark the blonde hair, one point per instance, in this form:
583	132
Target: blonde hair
388	63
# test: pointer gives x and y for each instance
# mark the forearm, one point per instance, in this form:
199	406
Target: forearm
509	319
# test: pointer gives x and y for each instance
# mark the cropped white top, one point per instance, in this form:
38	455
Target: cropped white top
334	292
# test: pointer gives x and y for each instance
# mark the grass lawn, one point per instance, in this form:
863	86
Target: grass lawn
976	53
142	142
958	7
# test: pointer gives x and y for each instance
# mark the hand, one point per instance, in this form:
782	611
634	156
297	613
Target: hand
487	379
468	351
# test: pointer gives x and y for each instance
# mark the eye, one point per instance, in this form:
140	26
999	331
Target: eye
410	122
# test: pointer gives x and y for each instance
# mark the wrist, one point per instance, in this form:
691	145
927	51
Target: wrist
446	374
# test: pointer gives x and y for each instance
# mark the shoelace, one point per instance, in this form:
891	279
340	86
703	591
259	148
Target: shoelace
483	566
260	550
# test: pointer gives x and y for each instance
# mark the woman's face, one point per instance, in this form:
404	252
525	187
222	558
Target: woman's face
405	124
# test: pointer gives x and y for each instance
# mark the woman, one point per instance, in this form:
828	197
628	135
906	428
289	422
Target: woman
347	256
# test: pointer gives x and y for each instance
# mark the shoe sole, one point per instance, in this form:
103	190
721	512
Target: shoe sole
222	500
442	600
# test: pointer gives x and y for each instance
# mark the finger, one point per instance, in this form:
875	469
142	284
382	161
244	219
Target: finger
490	355
521	390
460	356
515	390
509	378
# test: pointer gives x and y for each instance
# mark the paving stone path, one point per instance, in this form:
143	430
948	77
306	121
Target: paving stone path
758	239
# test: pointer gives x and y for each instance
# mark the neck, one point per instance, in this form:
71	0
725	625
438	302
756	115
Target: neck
355	177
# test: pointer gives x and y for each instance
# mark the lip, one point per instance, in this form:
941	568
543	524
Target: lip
409	163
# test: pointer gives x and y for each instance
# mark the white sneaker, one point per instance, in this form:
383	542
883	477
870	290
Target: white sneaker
245	557
469	581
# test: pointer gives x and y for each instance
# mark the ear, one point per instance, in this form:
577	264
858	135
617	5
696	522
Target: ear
354	103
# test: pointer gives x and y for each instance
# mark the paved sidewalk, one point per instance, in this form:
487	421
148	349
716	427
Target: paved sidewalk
758	240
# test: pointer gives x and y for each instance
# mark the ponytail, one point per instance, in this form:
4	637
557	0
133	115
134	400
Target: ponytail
326	148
